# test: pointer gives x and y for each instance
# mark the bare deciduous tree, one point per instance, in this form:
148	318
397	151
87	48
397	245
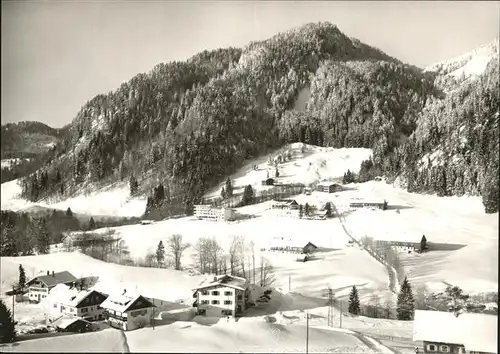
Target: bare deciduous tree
208	254
176	247
266	273
242	255
234	254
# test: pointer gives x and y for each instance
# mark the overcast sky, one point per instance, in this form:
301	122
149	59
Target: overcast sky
57	55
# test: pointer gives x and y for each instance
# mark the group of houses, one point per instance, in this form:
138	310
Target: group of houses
72	308
69	307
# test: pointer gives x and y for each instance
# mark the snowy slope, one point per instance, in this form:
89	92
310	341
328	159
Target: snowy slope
316	163
247	335
309	164
112	201
469	64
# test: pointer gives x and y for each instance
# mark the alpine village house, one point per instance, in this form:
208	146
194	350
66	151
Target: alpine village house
225	296
127	311
64	301
39	286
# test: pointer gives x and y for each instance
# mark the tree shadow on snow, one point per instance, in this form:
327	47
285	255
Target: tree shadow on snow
399	207
438	246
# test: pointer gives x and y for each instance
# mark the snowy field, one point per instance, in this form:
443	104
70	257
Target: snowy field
282	330
466	236
247	335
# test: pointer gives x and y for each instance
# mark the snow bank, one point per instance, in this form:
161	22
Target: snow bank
109	340
242	336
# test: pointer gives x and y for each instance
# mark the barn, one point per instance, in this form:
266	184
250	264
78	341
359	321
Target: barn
328	187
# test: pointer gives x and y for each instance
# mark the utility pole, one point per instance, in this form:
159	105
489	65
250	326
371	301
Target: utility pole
330	307
307	332
340	313
13	296
153	314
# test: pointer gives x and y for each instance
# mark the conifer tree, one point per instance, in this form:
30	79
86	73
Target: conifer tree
423	243
406	302
91	223
160	253
354	305
7	327
328	208
43	236
247	195
134	186
22	277
229	188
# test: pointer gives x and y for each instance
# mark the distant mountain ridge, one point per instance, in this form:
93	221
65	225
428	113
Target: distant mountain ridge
28	139
185	126
466	66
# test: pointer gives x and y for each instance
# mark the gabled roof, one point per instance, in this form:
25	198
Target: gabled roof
476	332
52	280
68	296
121	303
230	281
66	321
311	244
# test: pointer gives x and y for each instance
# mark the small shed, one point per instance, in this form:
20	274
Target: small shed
268	182
328	187
309	248
71	324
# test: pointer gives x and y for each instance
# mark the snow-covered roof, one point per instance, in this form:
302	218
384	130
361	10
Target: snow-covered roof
121	303
476	332
66	321
53	279
66	295
231	281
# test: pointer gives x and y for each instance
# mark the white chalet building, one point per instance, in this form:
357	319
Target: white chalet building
225	296
64	301
128	312
208	212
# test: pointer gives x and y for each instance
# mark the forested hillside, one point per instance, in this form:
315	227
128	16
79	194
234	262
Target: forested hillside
27	146
186	125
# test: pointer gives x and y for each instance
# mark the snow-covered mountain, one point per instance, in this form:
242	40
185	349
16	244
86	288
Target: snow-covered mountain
470	64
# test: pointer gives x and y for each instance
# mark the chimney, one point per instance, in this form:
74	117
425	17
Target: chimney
53	274
48	272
